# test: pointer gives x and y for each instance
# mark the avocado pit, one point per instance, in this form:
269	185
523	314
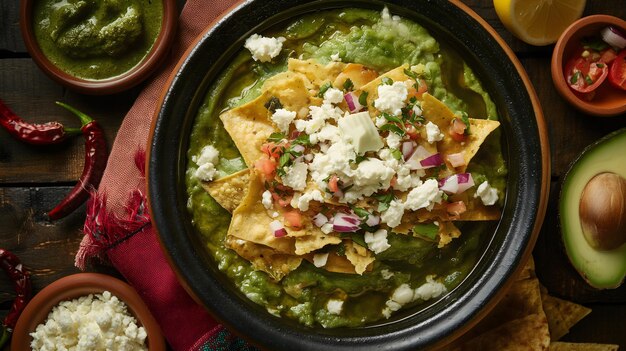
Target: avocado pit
602	211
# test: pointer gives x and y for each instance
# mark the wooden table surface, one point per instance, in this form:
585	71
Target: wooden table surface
33	179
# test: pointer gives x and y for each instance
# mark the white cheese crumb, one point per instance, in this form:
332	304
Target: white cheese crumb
295	176
93	322
403	294
359	130
206	161
283	119
488	195
301	202
429	290
386	274
377	241
433	133
393	140
327	228
264	49
334	306
320	259
266	199
393	215
391	98
424	196
333	96
335	57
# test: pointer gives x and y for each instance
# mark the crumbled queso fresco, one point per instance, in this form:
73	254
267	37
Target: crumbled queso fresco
92	322
264	49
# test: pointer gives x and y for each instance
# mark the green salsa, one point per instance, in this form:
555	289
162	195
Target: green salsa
96	39
359	36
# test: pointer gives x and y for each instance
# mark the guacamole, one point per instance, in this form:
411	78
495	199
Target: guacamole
93	39
417	263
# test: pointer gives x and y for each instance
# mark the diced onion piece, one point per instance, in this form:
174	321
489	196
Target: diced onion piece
372	220
432	161
407	149
319	220
342	225
614	37
456	183
278	229
353	102
298	148
419	154
456	160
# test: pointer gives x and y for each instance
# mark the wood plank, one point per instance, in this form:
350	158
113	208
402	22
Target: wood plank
10	36
610	317
32	95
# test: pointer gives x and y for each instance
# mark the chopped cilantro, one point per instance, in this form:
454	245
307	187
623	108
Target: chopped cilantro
397	154
302	139
341	250
273	104
594	44
588	79
393	128
358	238
410	73
600	65
392	118
363	98
348	85
387	81
384	200
276	137
428	230
575	77
323	89
360	159
465	119
284	160
361	212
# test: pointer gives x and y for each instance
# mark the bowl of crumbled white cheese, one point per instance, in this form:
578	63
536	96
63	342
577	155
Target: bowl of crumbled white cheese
87	311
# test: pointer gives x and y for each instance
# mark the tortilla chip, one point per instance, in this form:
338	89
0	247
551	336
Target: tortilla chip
529	272
250	125
447	232
251	222
521	300
230	190
562	315
310	243
317	74
264	258
359	256
523	334
437	112
336	263
572	346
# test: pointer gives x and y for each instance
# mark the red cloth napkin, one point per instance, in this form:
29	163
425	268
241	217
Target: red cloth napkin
118	226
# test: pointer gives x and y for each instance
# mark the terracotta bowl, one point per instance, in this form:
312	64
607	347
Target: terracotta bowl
608	101
125	81
526	152
75	286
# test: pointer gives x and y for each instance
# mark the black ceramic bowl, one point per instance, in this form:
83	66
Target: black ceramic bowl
526	152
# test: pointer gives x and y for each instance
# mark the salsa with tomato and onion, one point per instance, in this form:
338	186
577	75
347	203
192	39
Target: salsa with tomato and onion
596	61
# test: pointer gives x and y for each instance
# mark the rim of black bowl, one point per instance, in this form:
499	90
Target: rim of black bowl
527	158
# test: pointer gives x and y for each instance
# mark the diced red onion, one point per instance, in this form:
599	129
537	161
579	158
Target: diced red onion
319	220
298	148
614	37
456	183
350	218
407	149
432	161
419	154
341	223
295	134
278	229
353	102
456	160
372	220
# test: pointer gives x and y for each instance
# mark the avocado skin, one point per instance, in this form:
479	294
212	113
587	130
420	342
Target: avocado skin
602	269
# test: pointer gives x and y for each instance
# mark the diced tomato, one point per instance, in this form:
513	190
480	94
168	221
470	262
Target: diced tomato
333	184
457	130
293	219
267	167
617	77
272	150
608	55
393	181
583	75
456	208
422	87
411	131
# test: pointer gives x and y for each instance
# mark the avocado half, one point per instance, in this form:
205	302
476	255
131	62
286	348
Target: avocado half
602	269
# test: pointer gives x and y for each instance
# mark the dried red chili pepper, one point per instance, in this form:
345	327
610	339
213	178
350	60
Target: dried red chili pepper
95	162
21	282
32	133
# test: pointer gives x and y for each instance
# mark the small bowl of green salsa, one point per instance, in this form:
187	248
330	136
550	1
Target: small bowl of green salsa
98	47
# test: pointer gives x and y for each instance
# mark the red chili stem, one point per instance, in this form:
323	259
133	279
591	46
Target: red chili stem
95	162
32	133
21	282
